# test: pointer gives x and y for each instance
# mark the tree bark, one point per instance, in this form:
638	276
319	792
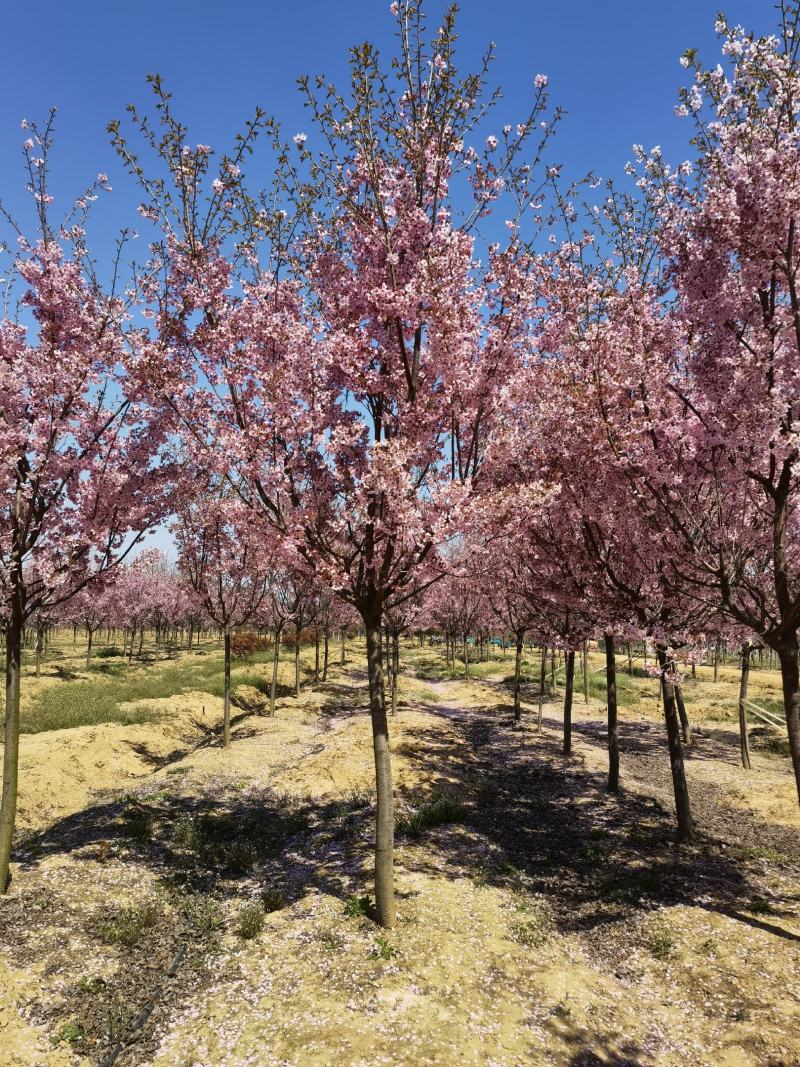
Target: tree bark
342	656
517	672
275	658
613	727
466	658
226	706
586	672
89	636
542	679
790	676
325	658
683	808
384	823
297	659
686	729
568	684
744	743
395	669
8	806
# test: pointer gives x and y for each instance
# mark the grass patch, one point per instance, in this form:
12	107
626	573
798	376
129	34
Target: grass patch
439	811
86	702
203	912
250	921
535	923
128	925
661	945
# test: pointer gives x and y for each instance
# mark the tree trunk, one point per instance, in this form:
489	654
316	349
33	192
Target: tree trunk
342	656
586	672
542	679
790	675
395	669
613	728
89	636
316	657
553	670
297	660
8	807
568	683
466	658
517	672
226	706
682	805
384	824
275	658
686	729
744	743
716	660
325	658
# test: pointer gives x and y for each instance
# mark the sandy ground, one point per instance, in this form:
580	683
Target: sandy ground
550	923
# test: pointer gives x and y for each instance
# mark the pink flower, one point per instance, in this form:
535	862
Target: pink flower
300	139
540	81
491	143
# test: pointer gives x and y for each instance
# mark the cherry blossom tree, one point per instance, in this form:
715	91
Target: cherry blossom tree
224	561
76	446
348	401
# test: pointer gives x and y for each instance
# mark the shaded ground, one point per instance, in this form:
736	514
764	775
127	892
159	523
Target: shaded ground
543	921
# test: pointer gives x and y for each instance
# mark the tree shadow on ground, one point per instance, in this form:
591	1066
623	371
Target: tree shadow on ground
596	856
213	855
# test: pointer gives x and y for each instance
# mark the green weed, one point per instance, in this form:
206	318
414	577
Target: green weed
250	921
128	925
439	811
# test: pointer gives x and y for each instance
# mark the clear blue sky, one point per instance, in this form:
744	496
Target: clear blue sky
613	64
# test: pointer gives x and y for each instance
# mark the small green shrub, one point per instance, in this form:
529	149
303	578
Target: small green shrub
239	857
187	834
72	1033
128	925
382	950
91	986
178	770
203	912
661	945
359	908
439	811
273	900
760	906
138	822
250	921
